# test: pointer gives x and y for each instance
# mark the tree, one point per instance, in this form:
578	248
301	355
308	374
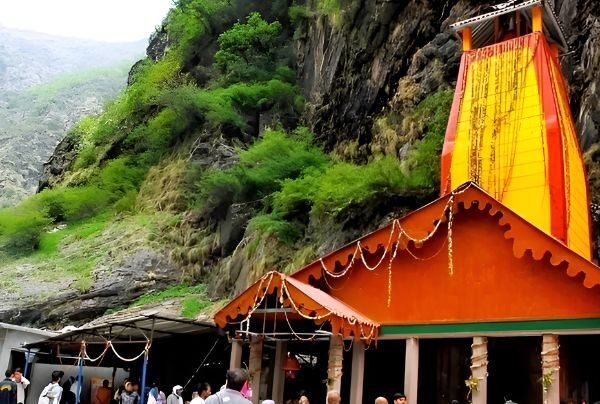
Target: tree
248	52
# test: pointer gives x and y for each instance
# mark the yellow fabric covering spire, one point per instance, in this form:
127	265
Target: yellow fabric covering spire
511	132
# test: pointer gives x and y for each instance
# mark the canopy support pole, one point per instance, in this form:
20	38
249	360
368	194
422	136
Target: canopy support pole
278	372
550	369
336	358
358	372
256	350
27	359
145	365
79	380
479	369
411	370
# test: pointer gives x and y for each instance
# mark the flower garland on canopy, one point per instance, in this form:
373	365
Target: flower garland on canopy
284	295
109	345
396	236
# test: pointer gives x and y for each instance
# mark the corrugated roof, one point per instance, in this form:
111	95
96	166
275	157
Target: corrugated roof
135	323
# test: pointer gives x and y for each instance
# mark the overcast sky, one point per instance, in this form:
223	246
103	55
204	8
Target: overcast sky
103	20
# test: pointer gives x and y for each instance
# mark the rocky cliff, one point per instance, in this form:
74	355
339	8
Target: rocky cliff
368	71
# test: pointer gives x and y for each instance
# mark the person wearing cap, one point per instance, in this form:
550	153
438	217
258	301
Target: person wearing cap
175	397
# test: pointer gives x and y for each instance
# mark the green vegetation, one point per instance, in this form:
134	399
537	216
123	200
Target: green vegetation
50	242
424	161
170	293
137	159
193	299
248	52
294	180
192	306
262	168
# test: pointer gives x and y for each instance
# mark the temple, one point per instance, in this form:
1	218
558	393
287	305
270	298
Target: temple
485	295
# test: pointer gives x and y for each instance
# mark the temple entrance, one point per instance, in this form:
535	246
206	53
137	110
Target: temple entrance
443	369
514	370
384	370
579	376
312	377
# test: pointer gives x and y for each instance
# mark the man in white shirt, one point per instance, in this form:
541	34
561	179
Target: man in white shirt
22	384
52	392
204	392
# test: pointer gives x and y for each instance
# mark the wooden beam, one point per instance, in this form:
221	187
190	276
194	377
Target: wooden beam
255	366
467	39
479	365
537	23
550	369
358	372
235	360
278	373
411	370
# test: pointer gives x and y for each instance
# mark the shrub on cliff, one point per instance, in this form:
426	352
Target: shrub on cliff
274	157
248	52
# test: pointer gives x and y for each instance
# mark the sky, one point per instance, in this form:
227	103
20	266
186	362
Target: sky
102	20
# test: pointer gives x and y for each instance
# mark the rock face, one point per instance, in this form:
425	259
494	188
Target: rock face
61	159
382	51
117	284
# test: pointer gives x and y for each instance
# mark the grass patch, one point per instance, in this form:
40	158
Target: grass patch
191	307
50	242
170	293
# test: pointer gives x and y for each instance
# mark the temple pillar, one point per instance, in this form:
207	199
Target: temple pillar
479	362
358	372
235	360
255	366
336	359
411	370
550	369
278	373
537	23
467	39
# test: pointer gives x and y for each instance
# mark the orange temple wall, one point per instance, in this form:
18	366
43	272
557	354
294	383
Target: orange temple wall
488	282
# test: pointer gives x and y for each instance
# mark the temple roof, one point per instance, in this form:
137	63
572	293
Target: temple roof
420	224
483	25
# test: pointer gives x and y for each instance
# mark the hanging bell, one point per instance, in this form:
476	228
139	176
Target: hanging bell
290	366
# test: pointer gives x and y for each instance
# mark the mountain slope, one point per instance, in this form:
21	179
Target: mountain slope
46	85
255	136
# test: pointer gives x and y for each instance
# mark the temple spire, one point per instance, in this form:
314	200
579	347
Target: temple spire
510	129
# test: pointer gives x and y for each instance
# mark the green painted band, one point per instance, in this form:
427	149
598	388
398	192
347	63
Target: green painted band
541	325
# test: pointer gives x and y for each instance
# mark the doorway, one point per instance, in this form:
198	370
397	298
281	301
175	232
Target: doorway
384	370
444	365
514	370
579	376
